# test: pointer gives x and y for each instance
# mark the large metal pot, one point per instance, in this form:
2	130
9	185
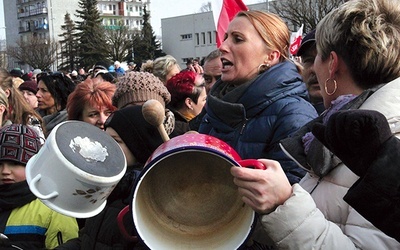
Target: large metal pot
185	197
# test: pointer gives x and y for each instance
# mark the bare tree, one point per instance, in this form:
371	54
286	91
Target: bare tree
38	53
206	7
3	53
119	40
307	12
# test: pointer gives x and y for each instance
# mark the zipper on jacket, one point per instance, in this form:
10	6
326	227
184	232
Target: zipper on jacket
243	126
318	182
60	238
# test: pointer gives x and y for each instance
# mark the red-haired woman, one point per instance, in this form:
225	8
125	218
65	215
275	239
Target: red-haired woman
188	97
91	102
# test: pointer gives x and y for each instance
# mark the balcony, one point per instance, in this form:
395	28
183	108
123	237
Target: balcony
112	27
24	29
109	12
33	12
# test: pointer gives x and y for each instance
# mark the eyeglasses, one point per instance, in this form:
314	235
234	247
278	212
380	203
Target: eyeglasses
52	74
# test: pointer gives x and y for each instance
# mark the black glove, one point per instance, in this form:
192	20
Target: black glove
355	136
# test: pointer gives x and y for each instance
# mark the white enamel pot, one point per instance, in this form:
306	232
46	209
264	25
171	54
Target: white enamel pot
76	169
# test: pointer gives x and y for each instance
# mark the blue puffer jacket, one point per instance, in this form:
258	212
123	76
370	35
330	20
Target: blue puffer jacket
253	118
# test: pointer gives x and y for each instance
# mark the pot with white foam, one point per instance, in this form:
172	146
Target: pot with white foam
76	169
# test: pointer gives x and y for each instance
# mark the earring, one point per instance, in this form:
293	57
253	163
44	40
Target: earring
263	67
334	86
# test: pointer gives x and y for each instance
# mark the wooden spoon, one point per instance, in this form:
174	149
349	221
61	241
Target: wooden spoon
154	113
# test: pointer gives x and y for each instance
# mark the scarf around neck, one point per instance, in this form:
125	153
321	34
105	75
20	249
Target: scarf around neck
15	195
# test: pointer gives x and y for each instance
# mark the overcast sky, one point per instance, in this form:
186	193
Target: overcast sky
163	9
159	9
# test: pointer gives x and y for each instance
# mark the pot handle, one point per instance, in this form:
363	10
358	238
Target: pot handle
35	191
252	163
122	229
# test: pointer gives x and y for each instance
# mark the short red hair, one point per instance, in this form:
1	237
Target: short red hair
94	92
182	86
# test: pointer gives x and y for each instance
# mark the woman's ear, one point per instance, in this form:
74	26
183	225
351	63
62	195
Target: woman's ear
2	110
188	103
273	57
8	92
333	64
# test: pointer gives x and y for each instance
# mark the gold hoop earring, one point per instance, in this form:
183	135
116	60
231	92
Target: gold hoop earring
263	67
326	87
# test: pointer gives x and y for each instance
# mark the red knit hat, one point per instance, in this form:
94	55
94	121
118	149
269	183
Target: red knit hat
18	143
29	85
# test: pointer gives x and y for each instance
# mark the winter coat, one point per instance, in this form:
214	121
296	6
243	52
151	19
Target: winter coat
254	117
322	219
30	224
181	124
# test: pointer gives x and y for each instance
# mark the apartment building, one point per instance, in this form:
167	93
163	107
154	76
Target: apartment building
127	12
44	18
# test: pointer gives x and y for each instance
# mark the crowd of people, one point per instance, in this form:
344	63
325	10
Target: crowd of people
325	128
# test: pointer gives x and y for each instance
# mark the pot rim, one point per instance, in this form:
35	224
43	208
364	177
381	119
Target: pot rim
173	151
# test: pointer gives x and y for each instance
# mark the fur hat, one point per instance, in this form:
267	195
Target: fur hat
140	137
138	87
29	85
18	143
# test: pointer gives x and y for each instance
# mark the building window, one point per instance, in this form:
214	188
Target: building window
197	39
186	37
209	35
203	38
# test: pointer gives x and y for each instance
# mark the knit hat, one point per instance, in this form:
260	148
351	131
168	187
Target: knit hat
29	85
100	65
17	72
138	87
37	71
18	143
140	137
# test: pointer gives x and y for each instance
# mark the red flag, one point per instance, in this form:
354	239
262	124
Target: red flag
296	41
224	11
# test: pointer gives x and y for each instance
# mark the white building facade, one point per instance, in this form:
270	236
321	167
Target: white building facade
128	12
194	36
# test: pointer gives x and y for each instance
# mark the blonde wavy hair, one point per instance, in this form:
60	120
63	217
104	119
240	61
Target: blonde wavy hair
366	35
163	65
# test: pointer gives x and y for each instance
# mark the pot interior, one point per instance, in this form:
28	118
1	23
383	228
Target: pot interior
188	199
